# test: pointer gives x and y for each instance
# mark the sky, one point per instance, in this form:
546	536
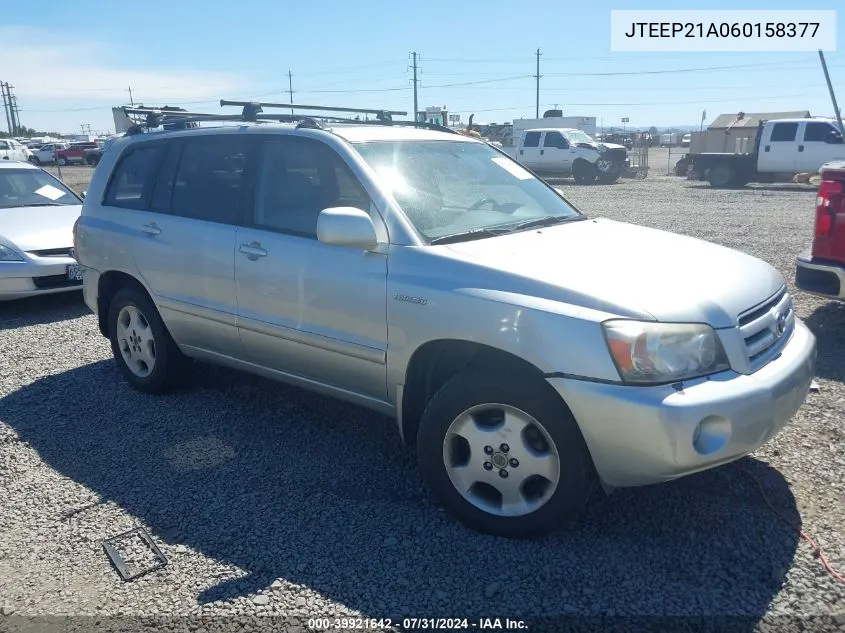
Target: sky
70	62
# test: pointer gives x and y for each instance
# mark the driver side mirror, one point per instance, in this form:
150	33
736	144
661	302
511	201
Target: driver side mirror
347	226
833	138
83	194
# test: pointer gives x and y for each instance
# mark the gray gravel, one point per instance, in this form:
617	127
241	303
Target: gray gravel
274	502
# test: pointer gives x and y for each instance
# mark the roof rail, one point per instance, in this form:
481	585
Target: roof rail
253	111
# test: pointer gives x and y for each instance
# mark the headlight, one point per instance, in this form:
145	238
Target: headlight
646	352
8	255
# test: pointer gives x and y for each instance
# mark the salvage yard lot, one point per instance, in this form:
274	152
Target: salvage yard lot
271	500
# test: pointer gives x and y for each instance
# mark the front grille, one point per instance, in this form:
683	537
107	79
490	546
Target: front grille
52	252
55	281
616	154
766	327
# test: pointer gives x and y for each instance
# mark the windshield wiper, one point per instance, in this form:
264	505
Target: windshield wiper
549	220
472	234
42	204
501	229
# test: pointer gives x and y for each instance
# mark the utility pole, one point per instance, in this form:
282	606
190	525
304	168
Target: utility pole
131	101
537	77
12	104
17	114
416	104
290	88
836	111
6	107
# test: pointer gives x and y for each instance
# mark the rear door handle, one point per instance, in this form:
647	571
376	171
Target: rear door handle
253	250
542	151
768	147
800	148
151	229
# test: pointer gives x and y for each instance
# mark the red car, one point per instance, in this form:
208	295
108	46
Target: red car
822	270
74	153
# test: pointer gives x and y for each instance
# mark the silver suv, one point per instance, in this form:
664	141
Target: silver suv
526	350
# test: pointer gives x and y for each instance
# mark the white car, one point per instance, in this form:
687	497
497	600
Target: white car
11	149
37	212
46	153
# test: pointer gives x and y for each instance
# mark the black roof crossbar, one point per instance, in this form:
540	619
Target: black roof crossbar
381	115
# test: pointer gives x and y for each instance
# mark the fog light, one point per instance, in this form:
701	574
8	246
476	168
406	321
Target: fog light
711	435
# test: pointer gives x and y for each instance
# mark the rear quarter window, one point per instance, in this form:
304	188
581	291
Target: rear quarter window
130	181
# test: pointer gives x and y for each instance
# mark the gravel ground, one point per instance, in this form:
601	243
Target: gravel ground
269	501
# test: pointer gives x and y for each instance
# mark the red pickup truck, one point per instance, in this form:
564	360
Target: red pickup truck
74	153
822	270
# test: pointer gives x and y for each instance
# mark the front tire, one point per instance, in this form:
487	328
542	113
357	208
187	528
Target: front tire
503	454
608	179
584	173
142	347
62	162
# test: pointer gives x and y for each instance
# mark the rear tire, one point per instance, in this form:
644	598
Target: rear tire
722	176
482	423
142	347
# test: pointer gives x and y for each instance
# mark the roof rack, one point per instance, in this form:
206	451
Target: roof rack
253	111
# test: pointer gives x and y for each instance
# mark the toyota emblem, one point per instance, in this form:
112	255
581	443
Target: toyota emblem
780	324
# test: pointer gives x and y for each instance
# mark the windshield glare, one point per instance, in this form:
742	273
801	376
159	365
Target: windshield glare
449	187
577	136
28	187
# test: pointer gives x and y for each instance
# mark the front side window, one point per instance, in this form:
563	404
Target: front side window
447	188
297	179
32	188
556	140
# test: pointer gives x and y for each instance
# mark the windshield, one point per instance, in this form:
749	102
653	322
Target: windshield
577	136
452	187
32	187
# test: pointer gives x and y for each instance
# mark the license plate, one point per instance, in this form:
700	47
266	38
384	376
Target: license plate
74	272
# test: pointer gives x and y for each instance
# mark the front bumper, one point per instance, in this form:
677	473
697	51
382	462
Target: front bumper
38	276
645	435
819	277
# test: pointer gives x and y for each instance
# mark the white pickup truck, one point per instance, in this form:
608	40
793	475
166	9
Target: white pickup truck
569	151
11	149
782	147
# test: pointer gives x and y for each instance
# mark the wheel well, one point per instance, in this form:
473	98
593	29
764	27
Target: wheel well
109	285
435	362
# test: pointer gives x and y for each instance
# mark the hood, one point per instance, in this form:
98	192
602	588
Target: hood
672	277
600	146
37	228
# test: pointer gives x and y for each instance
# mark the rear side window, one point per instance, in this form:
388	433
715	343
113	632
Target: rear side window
162	195
784	132
131	179
210	178
532	139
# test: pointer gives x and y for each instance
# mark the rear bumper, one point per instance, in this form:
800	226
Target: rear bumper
645	435
819	277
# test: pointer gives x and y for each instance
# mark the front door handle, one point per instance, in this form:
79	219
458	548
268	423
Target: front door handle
768	147
800	148
253	250
542	151
151	229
